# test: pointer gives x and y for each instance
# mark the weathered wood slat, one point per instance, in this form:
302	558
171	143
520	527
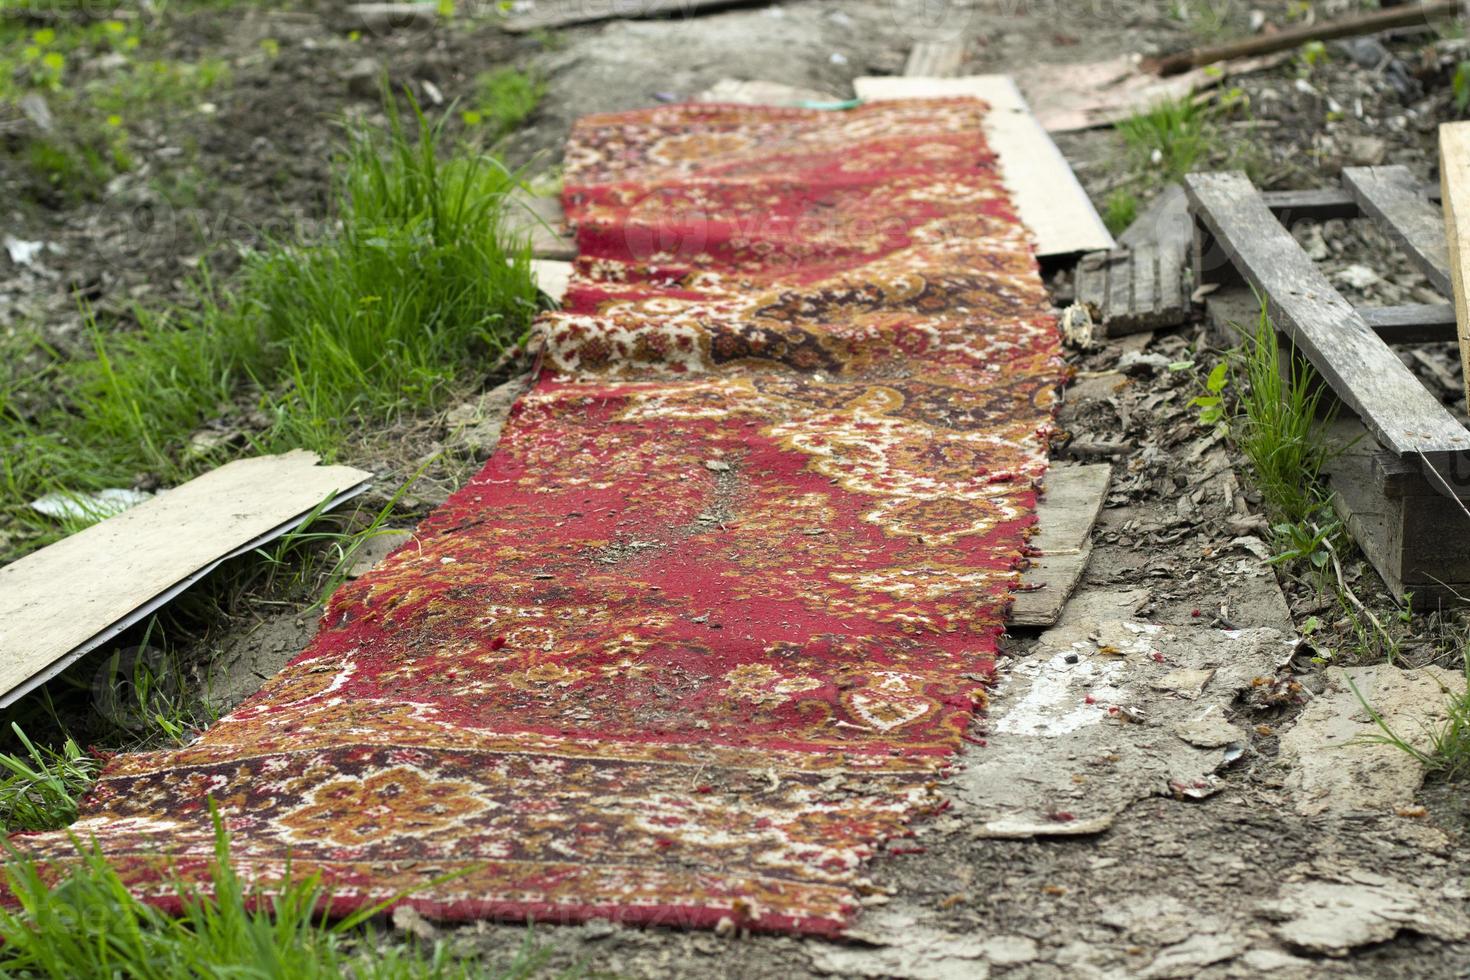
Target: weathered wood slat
1065	515
552	14
1454	173
935	59
1417	537
1133	290
1165	223
1321	204
1394	198
1368	377
1324	204
1428	323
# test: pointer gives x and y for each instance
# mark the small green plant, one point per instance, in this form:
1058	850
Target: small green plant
1308	541
1461	87
1170	138
1278	429
39	789
1209	20
1120	210
504	98
89	925
1312	55
1211	405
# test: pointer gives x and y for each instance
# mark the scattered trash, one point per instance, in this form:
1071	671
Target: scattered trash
96	506
22	252
1077	327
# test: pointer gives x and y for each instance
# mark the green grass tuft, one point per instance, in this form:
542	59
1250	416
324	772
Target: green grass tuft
90	925
1278	429
40	789
1120	210
1171	137
411	296
503	99
1448	753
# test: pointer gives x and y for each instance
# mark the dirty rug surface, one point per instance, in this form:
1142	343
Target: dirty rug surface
703	634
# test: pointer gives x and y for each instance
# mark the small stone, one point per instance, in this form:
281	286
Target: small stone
363	77
1357	276
407	919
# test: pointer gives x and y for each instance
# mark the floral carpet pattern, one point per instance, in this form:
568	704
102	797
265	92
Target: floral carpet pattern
706	631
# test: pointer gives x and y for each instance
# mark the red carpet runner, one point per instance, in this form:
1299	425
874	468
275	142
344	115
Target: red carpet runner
717	615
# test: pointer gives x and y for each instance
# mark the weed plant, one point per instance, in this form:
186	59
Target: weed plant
90	925
415	291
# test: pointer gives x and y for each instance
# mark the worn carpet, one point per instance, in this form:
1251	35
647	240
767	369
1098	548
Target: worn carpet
711	625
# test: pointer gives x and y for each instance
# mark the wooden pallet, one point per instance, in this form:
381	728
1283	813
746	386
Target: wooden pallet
1404	489
1140	285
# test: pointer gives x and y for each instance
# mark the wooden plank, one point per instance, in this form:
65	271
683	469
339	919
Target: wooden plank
1319	204
1048	584
1394	198
1046	193
1133	290
1454	174
80	592
1065	516
935	59
1369	22
1362	370
549	15
542	220
1417	539
1415	323
1324	204
1165	223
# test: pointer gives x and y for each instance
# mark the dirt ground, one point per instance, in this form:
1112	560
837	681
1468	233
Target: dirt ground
1108	847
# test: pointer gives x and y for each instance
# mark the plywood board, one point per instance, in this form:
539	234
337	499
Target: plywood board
78	593
1065	516
1454	176
1047	195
